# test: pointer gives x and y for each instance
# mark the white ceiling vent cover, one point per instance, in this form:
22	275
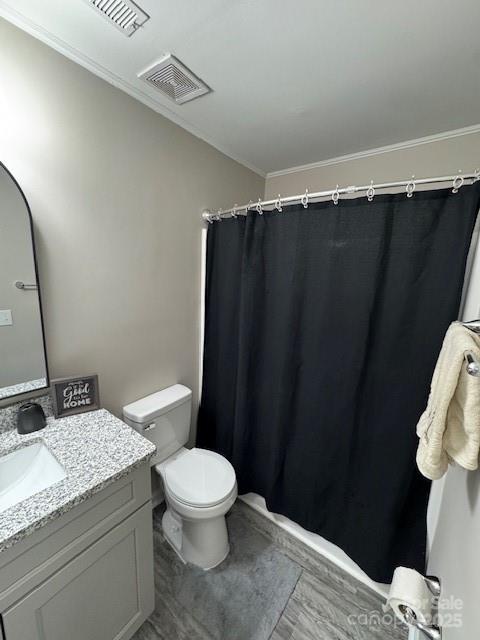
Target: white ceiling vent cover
174	80
123	14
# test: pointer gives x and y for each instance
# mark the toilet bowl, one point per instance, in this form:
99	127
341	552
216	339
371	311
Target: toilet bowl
200	488
199	485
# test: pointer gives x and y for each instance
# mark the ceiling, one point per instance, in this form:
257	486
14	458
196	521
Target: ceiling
294	81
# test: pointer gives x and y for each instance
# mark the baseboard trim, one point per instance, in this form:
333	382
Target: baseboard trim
315	542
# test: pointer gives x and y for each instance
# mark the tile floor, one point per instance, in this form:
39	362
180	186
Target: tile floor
311	599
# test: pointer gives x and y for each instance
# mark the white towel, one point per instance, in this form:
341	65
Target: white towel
449	429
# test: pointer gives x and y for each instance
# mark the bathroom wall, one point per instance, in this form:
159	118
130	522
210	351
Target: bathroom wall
439	157
455	504
116	192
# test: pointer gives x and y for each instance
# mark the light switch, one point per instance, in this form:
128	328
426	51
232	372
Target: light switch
5	317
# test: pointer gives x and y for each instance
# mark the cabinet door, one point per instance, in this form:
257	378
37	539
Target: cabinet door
105	593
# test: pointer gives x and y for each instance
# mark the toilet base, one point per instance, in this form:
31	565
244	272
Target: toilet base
203	543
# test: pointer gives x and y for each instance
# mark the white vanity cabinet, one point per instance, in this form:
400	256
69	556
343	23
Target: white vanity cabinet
88	575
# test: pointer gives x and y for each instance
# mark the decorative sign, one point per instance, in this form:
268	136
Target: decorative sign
74	395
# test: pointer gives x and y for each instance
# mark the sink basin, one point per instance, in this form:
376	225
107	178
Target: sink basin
26	471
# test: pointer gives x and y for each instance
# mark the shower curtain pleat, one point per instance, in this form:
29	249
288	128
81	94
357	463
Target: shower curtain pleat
322	330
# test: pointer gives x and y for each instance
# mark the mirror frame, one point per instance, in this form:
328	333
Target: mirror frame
45	389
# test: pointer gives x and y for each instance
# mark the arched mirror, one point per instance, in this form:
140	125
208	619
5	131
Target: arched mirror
23	361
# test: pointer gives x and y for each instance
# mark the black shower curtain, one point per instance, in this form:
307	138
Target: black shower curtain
323	326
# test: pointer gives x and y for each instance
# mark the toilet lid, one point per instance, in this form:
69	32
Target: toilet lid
200	478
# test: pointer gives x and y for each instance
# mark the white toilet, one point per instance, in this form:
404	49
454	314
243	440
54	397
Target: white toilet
200	485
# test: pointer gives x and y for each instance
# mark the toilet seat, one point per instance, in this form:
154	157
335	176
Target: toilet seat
200	478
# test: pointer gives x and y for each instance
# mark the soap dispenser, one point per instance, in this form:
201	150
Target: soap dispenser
30	418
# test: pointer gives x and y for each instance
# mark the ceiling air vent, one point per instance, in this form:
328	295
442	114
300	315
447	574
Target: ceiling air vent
123	14
174	80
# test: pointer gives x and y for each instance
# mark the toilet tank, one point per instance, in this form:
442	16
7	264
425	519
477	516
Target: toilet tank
163	418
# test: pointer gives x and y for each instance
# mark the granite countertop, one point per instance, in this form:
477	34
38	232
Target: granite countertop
22	387
95	449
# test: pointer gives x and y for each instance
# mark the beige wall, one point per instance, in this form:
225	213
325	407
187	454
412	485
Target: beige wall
443	157
116	193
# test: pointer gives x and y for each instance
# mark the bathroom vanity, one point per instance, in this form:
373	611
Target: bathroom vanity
76	558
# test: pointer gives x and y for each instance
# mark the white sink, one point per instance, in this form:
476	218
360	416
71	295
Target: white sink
26	471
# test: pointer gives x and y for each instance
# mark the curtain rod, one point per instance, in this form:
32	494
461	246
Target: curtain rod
370	189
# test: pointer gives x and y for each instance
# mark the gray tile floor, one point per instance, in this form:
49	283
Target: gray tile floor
322	603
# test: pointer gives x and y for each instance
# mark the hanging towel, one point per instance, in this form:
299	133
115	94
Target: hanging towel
449	429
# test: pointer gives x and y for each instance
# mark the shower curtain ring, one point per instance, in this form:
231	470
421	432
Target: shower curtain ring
248	207
411	187
370	192
477	175
259	207
234	210
219	215
278	204
457	183
336	195
304	199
